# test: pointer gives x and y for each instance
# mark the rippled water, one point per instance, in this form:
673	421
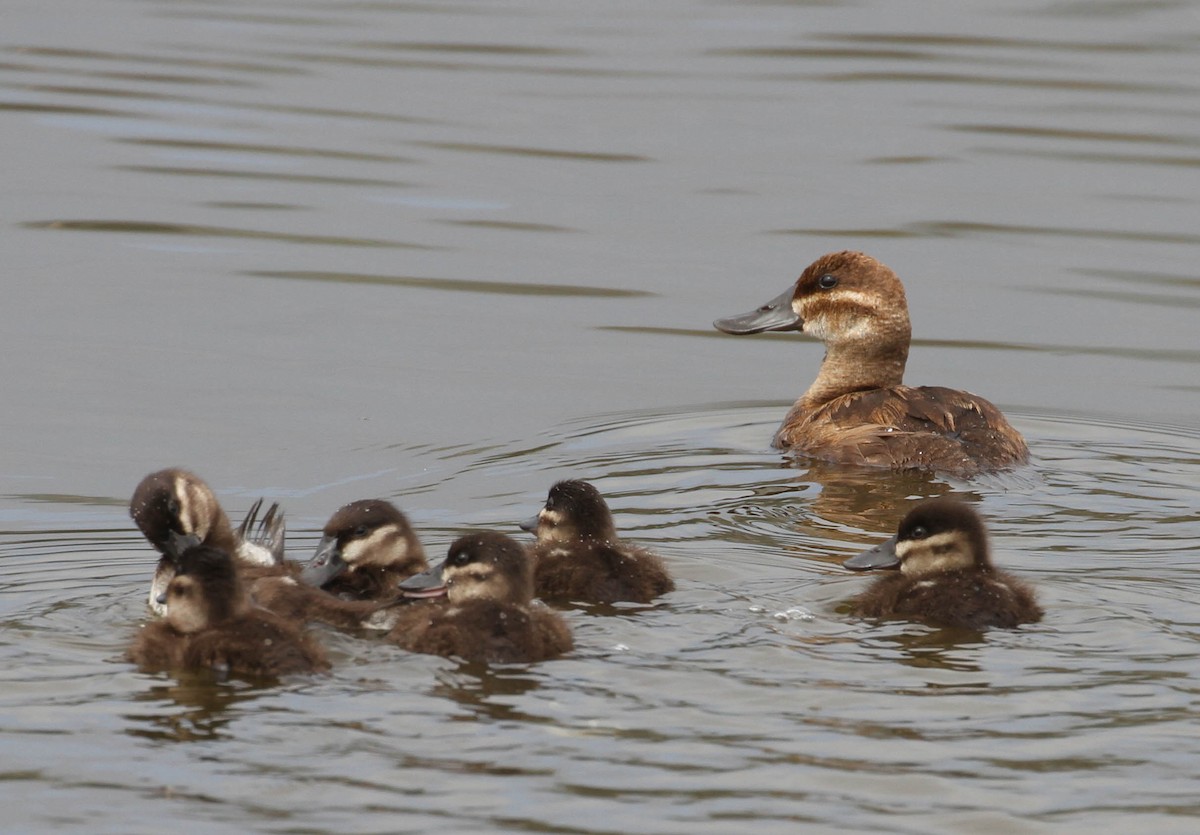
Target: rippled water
448	253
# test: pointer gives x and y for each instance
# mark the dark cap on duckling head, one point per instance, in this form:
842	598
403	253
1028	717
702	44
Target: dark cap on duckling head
574	510
932	528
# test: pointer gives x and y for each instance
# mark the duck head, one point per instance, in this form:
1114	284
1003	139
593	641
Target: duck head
175	510
574	511
204	591
371	533
478	566
936	536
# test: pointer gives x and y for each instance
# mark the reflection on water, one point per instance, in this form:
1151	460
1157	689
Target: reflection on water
191	708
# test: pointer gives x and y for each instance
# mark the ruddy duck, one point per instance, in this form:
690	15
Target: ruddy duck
488	612
858	411
946	576
211	623
578	556
176	510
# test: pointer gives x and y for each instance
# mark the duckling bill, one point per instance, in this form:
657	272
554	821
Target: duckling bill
945	575
858	410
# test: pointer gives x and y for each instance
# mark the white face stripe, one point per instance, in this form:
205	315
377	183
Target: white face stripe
554	526
382	546
197	506
944	551
476	581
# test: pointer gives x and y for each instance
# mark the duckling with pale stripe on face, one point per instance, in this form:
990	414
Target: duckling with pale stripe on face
946	576
211	623
175	510
367	548
482	607
858	410
578	556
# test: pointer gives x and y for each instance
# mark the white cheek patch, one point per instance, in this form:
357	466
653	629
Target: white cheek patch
552	526
474	582
848	325
934	554
381	547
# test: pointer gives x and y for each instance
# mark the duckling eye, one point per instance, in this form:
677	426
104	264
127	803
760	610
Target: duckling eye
827	281
361	530
458	558
918	532
173	506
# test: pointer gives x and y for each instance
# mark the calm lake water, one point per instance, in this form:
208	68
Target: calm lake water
447	253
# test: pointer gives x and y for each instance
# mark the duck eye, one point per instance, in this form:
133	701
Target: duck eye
458	558
918	532
827	281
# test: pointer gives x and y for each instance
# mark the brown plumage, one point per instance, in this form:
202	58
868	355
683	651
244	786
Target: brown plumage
485	610
211	623
858	411
175	510
367	548
946	576
578	556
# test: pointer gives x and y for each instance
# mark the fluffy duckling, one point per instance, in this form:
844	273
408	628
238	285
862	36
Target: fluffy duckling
488	612
946	576
211	623
858	411
578	556
176	510
367	548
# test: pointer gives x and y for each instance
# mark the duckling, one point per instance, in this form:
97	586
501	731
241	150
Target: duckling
368	547
578	556
486	612
946	576
211	623
858	411
175	509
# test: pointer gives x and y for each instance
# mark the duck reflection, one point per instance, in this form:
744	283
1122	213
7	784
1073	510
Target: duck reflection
195	707
487	691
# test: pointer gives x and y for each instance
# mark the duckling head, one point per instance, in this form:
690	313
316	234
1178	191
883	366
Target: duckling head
175	510
205	591
936	536
478	566
574	510
365	534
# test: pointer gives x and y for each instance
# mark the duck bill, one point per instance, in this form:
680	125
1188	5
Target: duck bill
775	315
530	525
177	543
882	555
426	584
325	564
